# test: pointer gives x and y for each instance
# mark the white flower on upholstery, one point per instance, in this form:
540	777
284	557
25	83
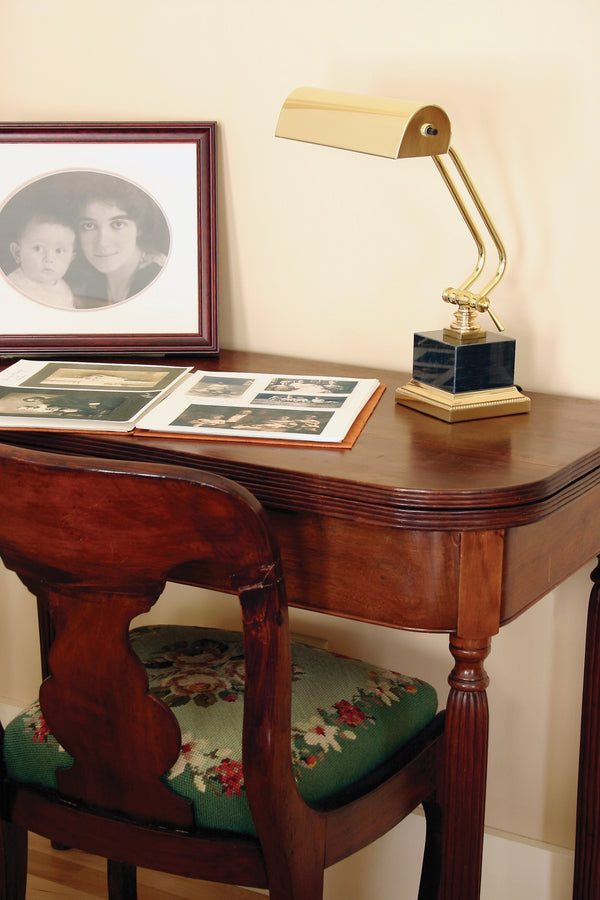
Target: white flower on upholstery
318	734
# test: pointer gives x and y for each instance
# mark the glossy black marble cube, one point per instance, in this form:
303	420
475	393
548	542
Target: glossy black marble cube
458	368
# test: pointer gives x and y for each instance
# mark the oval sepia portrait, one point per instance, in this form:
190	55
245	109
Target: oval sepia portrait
82	239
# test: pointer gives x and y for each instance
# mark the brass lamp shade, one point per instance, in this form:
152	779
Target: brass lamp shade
374	125
461	372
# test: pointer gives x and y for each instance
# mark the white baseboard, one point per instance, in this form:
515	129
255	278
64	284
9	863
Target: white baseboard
517	868
513	867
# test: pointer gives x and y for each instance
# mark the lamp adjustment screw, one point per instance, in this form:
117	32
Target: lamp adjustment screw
471	303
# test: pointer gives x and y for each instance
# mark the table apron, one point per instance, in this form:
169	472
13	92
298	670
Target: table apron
538	557
371	573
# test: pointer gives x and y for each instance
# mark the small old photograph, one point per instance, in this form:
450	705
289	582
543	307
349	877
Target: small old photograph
221	386
294	385
299	401
110	377
231	418
71	404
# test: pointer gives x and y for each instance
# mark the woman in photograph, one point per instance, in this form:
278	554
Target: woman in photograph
122	240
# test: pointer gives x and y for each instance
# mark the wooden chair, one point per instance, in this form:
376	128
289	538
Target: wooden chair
142	762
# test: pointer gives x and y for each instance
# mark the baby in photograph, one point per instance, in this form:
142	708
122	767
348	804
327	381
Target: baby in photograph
43	252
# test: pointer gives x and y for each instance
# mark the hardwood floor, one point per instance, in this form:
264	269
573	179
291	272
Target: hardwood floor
70	874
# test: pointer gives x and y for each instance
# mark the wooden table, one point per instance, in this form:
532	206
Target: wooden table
449	528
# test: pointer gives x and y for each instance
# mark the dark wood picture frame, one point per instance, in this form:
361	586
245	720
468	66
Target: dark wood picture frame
173	165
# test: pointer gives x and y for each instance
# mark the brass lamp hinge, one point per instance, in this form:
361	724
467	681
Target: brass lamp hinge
465	328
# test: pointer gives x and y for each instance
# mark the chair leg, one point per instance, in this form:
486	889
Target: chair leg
121	881
307	885
429	885
13	861
296	872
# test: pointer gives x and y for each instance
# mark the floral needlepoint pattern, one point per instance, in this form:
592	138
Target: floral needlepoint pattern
208	671
231	776
35	723
188	746
349	713
347	718
201	672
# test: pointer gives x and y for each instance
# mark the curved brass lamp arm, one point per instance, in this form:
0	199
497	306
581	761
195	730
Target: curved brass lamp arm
468	303
485	218
468	221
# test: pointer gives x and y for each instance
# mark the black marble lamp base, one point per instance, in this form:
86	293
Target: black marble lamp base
464	367
456	382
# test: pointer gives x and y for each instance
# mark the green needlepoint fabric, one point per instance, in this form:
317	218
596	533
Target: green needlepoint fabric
347	717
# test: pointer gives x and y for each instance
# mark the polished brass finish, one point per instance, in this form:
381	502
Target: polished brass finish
398	130
379	126
395	129
464	328
462	407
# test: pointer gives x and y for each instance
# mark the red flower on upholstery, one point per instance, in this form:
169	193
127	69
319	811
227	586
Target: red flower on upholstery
349	714
41	732
231	775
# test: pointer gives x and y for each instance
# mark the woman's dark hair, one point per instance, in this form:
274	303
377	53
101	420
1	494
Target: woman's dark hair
89	187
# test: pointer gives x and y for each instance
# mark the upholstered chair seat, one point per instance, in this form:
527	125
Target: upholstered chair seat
348	717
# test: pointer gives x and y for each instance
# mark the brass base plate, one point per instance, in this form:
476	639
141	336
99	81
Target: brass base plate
461	407
458	338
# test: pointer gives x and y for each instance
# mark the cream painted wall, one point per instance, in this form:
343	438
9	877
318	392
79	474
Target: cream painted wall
338	256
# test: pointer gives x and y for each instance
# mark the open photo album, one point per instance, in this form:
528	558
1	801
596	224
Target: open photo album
124	397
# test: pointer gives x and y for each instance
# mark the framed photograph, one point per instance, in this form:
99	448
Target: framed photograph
108	239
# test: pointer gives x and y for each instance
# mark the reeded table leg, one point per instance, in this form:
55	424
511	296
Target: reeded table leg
586	885
467	723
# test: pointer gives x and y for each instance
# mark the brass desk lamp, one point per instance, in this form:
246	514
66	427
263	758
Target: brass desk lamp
461	372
